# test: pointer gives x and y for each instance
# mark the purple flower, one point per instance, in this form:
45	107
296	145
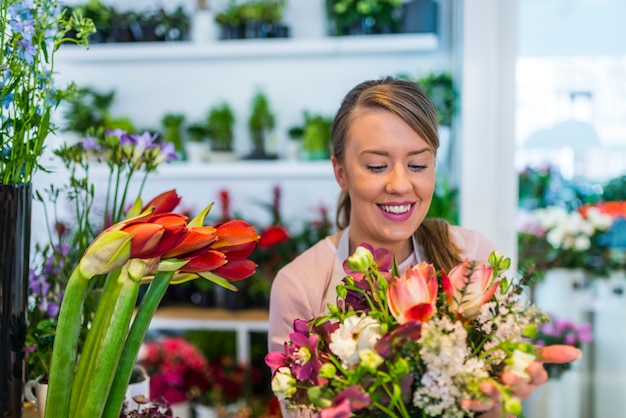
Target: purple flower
167	153
89	144
303	355
348	400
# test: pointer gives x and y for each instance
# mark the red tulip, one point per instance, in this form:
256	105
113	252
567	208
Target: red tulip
413	296
468	287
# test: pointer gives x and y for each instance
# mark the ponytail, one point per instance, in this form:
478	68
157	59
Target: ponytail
433	236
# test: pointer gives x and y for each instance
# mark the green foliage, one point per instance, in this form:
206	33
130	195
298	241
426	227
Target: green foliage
441	90
615	190
445	204
220	122
261	120
263	11
30	35
89	108
315	134
345	15
173	129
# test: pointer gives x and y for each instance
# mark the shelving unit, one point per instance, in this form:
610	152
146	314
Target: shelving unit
304	72
252	48
188	318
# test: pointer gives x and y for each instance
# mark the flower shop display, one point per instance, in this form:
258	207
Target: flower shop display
151	244
31	33
399	344
554	237
177	369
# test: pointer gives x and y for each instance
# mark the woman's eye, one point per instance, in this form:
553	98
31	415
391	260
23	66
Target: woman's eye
418	168
376	168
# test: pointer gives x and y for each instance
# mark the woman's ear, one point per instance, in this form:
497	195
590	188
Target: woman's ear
340	174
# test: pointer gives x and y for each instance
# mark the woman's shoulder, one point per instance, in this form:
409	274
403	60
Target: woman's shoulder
314	260
473	244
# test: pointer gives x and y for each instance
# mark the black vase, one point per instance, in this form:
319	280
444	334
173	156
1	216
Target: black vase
15	212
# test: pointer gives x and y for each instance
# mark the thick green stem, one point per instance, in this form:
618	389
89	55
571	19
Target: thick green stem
65	347
108	356
94	341
138	330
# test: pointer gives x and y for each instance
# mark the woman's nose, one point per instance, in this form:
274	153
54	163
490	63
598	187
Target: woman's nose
398	180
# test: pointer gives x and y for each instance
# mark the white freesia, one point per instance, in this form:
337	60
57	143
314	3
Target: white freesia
355	334
283	383
519	364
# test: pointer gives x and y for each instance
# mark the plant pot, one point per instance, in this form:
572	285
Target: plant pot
197	151
15	213
35	392
181	409
420	16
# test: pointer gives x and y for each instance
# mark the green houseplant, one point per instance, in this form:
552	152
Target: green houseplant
315	135
362	17
173	132
253	19
220	122
260	123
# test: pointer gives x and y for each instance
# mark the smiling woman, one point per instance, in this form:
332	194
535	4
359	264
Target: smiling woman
384	145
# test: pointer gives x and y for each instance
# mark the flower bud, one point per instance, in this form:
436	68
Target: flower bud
361	259
328	371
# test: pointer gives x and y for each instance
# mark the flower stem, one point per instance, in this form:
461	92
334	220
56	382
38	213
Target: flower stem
64	353
93	343
110	350
137	332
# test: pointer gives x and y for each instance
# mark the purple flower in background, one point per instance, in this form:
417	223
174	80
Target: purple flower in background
167	153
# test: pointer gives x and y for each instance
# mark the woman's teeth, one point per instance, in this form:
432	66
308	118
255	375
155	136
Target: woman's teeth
396	209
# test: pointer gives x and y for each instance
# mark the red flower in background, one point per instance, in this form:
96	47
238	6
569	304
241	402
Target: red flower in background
177	369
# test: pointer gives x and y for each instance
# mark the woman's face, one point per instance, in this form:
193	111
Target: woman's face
389	173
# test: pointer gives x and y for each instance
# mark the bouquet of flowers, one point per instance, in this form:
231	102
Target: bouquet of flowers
554	237
419	341
176	367
558	331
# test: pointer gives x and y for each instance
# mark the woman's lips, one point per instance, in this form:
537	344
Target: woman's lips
397	212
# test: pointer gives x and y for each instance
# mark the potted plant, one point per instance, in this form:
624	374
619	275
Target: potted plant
173	132
260	123
220	121
363	17
197	145
89	109
253	19
315	136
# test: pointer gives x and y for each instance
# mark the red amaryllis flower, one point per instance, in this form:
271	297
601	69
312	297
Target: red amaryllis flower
274	235
165	202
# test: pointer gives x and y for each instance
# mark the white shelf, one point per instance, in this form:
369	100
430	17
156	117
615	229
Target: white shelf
251	48
239	170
